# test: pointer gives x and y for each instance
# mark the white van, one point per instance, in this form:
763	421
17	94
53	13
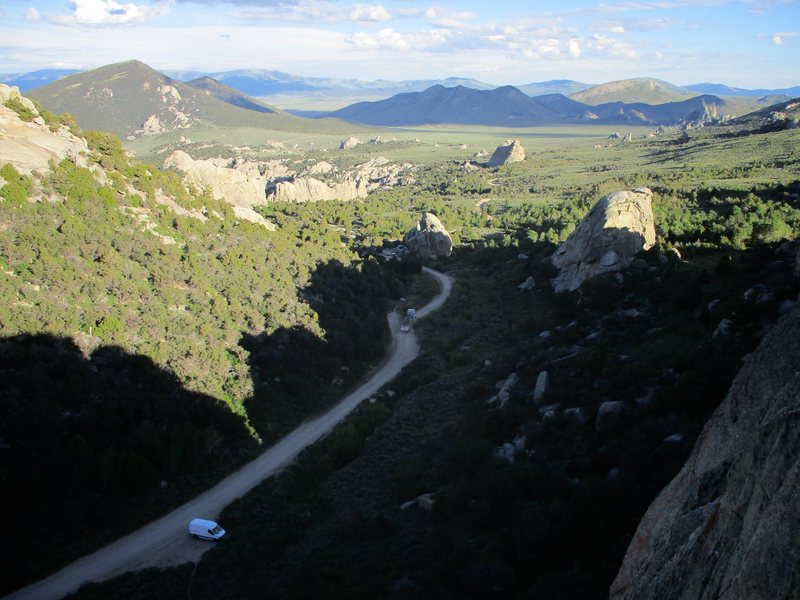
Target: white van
208	530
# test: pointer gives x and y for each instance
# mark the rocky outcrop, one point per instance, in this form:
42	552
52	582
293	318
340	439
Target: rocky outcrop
511	152
428	238
727	525
31	145
236	182
350	142
309	189
616	228
354	183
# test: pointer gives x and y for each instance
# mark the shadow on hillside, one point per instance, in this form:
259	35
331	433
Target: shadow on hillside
295	372
85	439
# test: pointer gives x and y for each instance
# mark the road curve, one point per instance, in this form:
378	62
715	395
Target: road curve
165	542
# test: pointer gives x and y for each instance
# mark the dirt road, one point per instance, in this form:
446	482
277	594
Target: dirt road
166	541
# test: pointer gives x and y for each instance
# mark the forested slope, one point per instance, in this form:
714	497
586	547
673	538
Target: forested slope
151	341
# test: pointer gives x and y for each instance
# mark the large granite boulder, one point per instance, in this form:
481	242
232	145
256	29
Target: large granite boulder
727	526
618	227
349	142
428	238
510	152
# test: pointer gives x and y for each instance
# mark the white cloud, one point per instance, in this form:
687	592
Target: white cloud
616	48
31	14
574	47
370	12
385	39
109	12
389	39
781	37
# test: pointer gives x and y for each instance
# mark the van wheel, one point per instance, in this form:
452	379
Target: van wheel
194	536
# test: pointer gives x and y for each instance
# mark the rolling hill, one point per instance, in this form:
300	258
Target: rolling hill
644	90
131	99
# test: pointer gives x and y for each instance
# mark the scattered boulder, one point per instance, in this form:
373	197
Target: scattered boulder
540	389
527	285
510	152
609	414
350	142
606	240
578	414
726	526
428	238
504	388
424	501
506	452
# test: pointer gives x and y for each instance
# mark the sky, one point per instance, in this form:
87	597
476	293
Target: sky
743	43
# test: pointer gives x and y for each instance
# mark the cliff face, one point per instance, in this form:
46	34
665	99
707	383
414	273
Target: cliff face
728	525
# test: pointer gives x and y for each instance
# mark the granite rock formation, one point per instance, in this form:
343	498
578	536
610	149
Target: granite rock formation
606	240
727	526
510	152
428	238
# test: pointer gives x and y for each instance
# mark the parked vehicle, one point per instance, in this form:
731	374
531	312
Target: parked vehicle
205	529
408	320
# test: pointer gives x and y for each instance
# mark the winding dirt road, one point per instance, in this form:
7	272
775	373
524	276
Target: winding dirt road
165	542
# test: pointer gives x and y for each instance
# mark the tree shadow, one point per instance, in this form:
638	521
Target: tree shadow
297	373
91	445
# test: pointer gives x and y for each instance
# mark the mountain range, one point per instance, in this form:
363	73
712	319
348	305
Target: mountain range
509	107
262	82
131	99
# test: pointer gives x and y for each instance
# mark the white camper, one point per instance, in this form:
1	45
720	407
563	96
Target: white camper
208	530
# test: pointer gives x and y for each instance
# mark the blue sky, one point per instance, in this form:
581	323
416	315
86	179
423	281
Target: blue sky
746	43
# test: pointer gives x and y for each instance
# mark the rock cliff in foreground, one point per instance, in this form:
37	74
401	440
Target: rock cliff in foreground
618	227
31	145
728	525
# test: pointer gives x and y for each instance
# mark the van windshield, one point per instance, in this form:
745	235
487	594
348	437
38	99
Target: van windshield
216	530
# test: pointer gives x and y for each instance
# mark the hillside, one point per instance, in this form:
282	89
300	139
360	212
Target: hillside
227	94
642	90
151	338
504	106
132	100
